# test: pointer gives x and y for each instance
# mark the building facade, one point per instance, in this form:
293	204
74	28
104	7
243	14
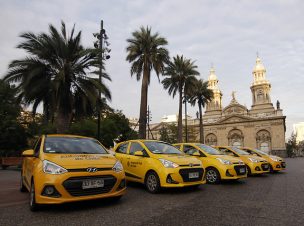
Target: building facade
262	126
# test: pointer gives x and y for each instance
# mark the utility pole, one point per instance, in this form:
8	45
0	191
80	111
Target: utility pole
102	37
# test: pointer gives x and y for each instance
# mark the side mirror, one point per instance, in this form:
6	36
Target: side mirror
28	153
139	153
197	154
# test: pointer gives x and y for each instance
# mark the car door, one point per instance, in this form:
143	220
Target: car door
121	153
136	165
30	162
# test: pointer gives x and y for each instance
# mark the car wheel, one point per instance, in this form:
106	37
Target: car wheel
213	176
33	204
22	187
248	171
152	182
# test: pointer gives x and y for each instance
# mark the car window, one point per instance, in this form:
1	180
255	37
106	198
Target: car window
37	147
178	146
122	148
136	147
227	152
189	150
73	145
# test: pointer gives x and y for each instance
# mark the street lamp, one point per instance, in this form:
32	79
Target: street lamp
185	100
98	44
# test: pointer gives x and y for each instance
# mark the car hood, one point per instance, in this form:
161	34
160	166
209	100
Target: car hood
82	160
226	157
275	157
180	159
254	157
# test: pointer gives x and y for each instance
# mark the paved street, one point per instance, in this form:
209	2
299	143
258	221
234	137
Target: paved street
262	200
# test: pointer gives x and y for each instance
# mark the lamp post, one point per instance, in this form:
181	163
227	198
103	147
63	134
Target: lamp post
101	40
186	123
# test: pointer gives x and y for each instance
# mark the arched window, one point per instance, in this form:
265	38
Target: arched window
235	138
211	139
263	139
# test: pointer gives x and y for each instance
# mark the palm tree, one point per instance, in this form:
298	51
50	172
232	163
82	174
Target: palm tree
200	94
55	73
180	77
146	52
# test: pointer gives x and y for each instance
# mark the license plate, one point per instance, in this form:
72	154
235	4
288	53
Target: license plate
193	175
86	184
242	170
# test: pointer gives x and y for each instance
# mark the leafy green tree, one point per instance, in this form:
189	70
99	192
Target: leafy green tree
13	135
200	95
291	145
179	78
55	73
146	52
168	133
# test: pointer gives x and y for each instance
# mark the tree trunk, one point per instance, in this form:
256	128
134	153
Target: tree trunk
180	115
143	104
202	140
62	122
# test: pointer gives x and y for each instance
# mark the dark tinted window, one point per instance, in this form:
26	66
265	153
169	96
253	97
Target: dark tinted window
136	147
122	148
73	145
37	147
189	150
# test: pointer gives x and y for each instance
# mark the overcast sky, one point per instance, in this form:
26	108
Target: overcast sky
225	33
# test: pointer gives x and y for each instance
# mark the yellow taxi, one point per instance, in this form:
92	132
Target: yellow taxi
218	166
254	164
158	164
276	163
66	168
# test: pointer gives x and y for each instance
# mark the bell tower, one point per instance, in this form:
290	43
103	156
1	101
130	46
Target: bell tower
260	88
214	107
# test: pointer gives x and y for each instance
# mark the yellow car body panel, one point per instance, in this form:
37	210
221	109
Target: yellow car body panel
277	163
260	165
137	167
76	166
208	160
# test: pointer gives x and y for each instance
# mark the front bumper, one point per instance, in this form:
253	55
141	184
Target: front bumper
259	167
229	172
179	177
68	186
278	166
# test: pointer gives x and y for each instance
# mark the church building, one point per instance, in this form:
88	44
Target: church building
262	126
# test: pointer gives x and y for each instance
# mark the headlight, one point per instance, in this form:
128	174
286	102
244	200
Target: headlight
274	159
52	168
118	167
224	161
168	164
253	160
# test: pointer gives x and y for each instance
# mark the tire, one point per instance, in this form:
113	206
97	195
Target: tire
248	171
32	201
4	167
152	182
213	176
271	169
22	188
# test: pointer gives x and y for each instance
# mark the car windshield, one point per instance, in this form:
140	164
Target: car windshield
240	152
73	145
209	150
162	148
260	152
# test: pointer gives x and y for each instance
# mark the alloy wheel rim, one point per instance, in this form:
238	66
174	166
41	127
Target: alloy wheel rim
211	176
152	183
